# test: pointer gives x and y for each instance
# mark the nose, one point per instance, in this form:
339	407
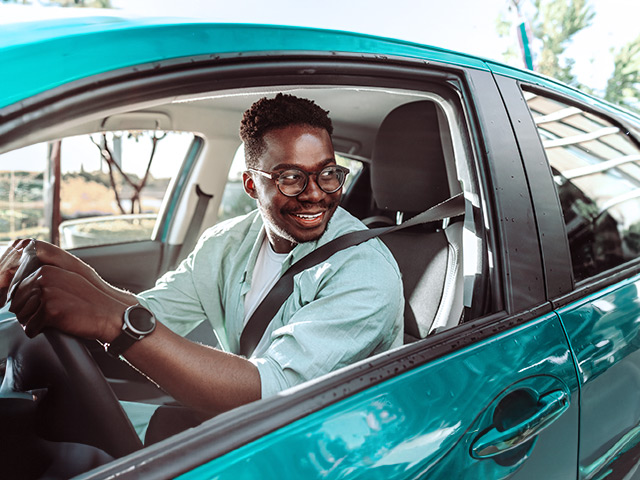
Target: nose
312	192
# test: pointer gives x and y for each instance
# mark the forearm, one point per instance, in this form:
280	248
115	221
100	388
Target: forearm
198	376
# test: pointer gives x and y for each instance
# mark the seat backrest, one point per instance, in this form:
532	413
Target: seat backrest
409	175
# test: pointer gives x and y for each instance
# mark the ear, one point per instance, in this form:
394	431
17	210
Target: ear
249	185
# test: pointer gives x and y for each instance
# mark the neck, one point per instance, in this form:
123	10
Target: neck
279	244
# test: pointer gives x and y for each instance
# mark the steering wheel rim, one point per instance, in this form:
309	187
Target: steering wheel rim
114	433
107	425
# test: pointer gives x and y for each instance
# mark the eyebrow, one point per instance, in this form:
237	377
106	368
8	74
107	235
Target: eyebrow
286	166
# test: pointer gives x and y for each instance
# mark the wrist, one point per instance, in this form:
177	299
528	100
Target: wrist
113	323
138	322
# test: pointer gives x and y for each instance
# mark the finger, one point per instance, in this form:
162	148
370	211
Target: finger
28	309
36	322
20	243
26	289
10	261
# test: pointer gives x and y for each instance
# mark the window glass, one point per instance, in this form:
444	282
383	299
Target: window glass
596	169
89	190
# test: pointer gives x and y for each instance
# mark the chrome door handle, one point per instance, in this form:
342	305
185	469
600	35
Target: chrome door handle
495	442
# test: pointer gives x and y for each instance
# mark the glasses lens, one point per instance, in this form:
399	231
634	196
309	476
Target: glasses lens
331	179
292	182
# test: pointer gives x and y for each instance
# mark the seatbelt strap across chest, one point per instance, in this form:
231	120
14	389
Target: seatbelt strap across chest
262	316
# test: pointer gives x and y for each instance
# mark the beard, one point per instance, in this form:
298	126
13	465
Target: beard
275	223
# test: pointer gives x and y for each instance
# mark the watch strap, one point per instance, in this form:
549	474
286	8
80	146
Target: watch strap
120	344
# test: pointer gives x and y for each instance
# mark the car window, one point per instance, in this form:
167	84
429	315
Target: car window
596	169
89	190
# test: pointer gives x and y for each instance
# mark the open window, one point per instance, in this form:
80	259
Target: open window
408	145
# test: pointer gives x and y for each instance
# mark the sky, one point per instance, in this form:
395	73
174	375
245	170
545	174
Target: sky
463	25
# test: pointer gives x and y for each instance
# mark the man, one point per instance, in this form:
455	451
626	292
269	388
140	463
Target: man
341	311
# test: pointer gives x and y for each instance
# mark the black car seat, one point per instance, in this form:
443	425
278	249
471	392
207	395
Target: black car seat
409	175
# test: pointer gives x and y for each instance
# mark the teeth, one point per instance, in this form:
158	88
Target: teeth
308	217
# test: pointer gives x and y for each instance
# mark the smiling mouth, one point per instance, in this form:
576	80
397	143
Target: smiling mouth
308	219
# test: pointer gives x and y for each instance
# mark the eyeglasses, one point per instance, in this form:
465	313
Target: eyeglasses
293	181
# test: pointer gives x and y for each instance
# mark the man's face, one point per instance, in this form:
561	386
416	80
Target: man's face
293	220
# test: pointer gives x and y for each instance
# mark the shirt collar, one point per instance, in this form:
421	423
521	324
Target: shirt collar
338	225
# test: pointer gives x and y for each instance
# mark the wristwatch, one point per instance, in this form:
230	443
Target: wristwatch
138	323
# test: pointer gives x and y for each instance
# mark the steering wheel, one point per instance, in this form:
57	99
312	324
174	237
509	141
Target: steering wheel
79	405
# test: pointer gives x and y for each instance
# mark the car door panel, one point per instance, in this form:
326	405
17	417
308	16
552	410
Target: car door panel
604	334
426	422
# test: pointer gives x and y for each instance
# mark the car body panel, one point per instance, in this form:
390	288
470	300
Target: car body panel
600	315
424	422
604	334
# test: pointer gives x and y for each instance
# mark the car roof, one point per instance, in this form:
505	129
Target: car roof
38	56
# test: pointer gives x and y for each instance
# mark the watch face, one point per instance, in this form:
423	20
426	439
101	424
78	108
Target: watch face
141	320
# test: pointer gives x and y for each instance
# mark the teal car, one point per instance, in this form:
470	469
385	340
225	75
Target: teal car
119	141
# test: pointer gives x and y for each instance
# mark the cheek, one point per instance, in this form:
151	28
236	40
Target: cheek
272	201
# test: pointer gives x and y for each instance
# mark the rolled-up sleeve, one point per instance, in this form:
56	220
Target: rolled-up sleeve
341	311
174	300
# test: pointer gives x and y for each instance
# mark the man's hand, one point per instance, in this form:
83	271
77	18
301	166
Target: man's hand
49	254
54	297
9	263
64	293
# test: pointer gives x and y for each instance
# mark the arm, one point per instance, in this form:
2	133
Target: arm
70	296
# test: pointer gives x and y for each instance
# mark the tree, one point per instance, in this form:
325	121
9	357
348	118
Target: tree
554	23
558	21
623	87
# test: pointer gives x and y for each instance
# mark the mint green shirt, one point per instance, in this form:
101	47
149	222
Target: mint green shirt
341	311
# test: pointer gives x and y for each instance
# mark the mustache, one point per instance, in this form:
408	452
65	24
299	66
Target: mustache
306	206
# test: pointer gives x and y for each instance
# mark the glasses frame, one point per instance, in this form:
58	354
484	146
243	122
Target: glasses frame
275	176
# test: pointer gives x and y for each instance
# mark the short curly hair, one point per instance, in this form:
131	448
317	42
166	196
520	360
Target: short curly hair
271	113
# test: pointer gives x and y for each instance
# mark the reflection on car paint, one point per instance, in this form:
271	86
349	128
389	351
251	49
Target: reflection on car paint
603	330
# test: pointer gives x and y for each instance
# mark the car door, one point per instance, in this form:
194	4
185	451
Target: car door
496	397
593	154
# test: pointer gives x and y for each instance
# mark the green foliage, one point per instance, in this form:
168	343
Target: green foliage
554	25
623	87
557	21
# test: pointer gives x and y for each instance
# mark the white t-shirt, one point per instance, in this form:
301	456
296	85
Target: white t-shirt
265	275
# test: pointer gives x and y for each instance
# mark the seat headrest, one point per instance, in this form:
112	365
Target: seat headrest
408	170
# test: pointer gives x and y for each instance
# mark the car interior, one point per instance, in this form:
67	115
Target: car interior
408	150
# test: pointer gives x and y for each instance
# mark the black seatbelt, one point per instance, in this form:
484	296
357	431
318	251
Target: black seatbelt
257	324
